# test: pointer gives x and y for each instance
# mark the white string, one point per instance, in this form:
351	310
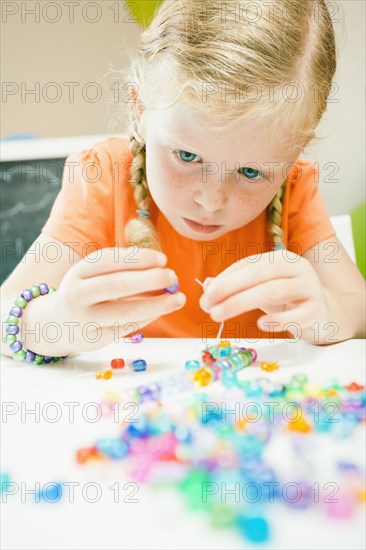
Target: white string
221	325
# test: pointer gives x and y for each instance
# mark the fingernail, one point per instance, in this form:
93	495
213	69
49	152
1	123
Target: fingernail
172	276
161	259
180	300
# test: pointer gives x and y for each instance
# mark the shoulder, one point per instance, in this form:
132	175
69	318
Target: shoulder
108	150
107	160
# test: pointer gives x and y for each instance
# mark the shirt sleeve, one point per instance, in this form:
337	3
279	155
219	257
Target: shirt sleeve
308	219
83	211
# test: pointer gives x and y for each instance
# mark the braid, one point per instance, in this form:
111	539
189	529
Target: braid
140	231
274	216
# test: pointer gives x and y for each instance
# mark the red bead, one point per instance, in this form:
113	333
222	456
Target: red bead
354	387
87	453
117	363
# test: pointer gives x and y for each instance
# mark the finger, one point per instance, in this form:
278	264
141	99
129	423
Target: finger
297	318
136	310
123	284
272	259
109	260
240	281
280	291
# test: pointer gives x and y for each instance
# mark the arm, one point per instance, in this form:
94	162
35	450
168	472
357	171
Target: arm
344	287
33	269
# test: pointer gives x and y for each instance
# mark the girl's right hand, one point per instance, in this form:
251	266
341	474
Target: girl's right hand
105	296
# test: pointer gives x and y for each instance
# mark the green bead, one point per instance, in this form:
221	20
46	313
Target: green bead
35	291
12	320
19	355
56	359
10	339
222	515
51	289
20	302
38	360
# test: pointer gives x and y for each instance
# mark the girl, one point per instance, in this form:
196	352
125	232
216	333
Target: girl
224	97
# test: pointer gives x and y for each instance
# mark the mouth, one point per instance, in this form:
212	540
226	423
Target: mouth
201	227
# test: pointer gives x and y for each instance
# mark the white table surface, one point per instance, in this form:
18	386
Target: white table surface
38	450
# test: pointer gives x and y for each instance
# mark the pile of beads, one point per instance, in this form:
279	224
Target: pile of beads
206	442
215	368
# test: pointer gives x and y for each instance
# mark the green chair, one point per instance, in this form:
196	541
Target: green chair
358	220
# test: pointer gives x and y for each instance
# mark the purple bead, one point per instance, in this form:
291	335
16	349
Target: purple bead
137	338
27	295
12	329
16	311
30	356
47	359
254	353
43	288
172	289
16	346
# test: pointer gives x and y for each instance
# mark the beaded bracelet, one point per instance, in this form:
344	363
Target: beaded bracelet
12	328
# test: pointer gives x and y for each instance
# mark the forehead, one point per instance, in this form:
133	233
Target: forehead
199	132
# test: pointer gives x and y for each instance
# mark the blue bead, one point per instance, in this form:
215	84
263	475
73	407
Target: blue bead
139	365
254	529
51	493
4	481
226	351
114	448
192	365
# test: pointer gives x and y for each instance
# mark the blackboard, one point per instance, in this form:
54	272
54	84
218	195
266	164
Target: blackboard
28	189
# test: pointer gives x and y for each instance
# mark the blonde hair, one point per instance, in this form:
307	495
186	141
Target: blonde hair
286	48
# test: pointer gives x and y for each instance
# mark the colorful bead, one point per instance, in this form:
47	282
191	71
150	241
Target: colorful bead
16	346
139	365
192	365
20	302
104	374
43	288
86	454
114	448
354	387
117	363
224	344
269	367
172	289
16	311
12	329
35	290
12	320
27	295
19	355
137	338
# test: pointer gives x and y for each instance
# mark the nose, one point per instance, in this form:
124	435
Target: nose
211	196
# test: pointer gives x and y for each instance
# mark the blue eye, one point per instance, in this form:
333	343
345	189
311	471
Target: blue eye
185	154
251	173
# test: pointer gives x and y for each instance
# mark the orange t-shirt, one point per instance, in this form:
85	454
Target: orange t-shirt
96	201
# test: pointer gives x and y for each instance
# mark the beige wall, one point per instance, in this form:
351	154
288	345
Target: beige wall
80	51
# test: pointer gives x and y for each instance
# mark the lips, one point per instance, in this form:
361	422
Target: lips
201	227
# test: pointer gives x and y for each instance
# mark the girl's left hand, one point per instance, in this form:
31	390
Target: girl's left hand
282	284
